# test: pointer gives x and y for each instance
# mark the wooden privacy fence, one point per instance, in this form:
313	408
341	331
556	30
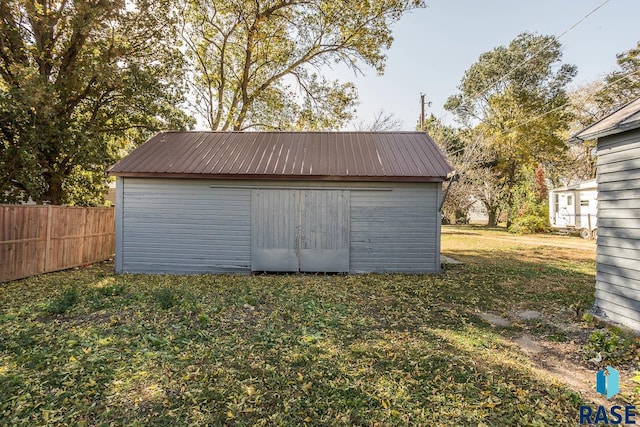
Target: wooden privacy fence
39	239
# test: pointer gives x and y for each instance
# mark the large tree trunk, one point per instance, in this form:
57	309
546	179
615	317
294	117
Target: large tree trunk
54	194
492	212
511	183
509	206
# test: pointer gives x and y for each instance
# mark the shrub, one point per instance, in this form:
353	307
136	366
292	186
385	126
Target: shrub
166	297
610	345
63	303
534	222
530	212
111	291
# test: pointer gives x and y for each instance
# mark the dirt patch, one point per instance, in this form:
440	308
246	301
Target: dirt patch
528	314
529	345
563	360
495	320
574	375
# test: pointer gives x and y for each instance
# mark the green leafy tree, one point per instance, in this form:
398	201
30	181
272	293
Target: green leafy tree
623	85
530	206
256	63
514	97
80	81
449	138
589	103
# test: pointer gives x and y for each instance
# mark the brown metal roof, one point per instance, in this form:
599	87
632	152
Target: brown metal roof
355	156
623	119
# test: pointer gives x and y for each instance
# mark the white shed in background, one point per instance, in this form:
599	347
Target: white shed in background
575	207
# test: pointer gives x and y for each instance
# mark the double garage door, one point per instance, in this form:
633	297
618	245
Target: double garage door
300	230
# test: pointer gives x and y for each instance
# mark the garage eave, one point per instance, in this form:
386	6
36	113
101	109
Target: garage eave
279	177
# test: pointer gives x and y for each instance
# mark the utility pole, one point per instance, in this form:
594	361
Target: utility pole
422	112
422	95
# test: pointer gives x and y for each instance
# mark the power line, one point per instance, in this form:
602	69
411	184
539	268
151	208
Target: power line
554	38
564	105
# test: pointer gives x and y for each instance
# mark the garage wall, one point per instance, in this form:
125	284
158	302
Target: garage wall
183	226
396	231
202	226
618	253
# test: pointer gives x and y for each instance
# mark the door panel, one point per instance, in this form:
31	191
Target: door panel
300	230
274	242
324	231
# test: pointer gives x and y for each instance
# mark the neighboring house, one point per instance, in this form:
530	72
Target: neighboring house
618	253
198	202
478	212
575	207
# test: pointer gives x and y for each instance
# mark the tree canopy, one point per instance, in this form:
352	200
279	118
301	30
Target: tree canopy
591	102
514	97
256	63
79	81
621	86
84	81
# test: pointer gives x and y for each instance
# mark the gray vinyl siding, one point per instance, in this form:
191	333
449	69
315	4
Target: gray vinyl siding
618	253
205	226
184	226
395	231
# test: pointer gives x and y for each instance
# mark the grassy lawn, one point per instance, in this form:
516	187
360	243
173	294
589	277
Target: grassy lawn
86	347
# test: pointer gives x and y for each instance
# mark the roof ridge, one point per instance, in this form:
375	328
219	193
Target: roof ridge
361	156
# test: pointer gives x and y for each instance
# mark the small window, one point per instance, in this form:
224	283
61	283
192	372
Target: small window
584	202
569	200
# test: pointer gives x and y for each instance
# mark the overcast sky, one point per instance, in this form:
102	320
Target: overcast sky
433	47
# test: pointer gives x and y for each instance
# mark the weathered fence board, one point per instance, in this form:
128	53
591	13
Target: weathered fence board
39	239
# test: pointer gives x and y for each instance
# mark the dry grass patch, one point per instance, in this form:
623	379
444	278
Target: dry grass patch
292	350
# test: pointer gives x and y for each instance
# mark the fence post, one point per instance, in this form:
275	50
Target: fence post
47	249
85	239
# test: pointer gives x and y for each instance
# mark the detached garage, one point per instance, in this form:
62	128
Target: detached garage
217	202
